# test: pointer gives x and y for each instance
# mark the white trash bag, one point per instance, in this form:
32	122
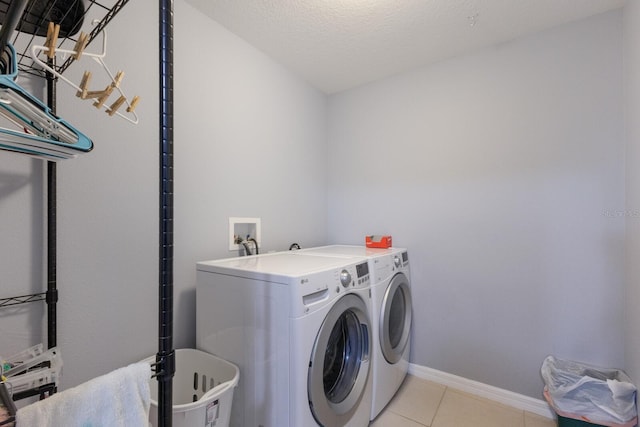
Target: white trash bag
600	395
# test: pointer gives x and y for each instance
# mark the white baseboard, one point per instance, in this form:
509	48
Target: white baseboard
506	397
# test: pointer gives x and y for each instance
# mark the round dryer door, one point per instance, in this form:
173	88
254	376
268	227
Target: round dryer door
339	365
395	318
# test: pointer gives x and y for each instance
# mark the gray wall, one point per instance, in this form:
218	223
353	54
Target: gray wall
632	212
249	141
21	247
501	172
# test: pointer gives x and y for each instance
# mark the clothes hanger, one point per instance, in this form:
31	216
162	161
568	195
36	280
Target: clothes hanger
30	145
45	135
82	91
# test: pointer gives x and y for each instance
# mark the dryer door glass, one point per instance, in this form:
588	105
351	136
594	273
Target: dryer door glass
397	314
395	318
339	363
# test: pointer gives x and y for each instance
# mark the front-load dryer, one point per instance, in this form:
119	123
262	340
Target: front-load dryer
299	329
391	315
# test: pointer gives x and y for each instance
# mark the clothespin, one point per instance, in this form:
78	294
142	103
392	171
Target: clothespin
80	45
114	107
102	96
118	79
133	104
52	39
82	93
99	93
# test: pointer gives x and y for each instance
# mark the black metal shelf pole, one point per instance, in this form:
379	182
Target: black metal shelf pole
165	358
52	229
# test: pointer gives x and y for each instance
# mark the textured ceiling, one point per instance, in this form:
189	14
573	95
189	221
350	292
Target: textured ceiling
338	44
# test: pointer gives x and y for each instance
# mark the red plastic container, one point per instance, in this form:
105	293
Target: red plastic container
383	242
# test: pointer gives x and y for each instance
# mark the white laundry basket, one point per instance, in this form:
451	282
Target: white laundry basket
203	388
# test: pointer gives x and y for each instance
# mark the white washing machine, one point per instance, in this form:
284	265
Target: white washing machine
391	315
299	329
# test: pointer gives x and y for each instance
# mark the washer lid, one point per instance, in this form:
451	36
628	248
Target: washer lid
347	251
286	264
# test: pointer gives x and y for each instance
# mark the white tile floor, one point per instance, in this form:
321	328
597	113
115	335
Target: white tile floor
421	403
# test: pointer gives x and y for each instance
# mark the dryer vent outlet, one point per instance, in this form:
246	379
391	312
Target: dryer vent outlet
240	228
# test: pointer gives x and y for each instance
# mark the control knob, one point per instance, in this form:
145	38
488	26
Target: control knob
396	261
345	278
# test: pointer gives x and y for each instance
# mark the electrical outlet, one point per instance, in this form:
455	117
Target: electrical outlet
240	228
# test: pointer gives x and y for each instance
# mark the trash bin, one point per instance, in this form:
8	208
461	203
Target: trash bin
583	395
203	387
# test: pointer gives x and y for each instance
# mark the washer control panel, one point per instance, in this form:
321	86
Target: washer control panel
362	271
316	289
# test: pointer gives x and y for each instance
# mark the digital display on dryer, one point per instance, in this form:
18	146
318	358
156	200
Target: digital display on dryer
405	257
362	269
